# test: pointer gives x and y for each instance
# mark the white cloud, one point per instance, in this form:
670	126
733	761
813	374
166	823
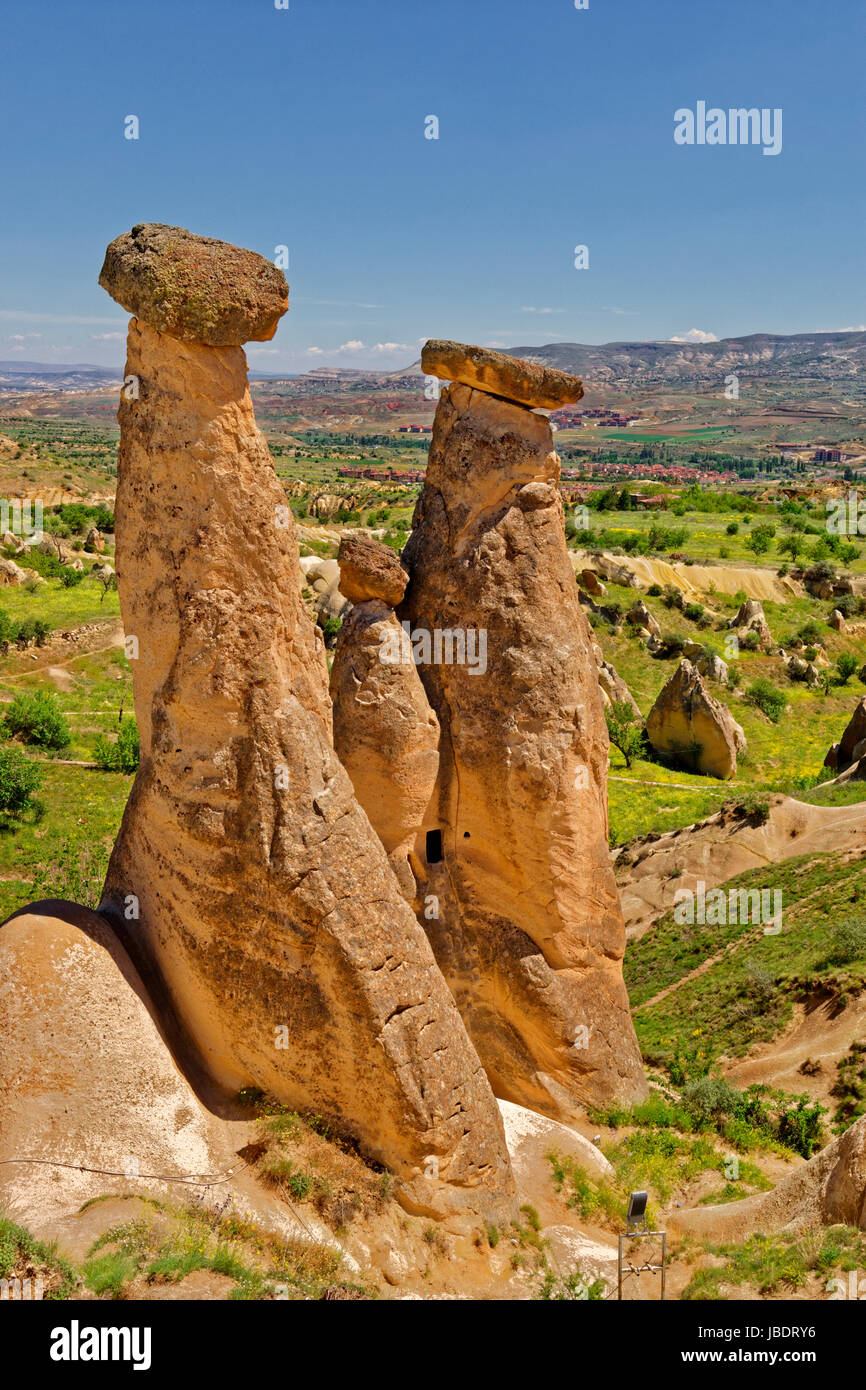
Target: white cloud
530	309
23	337
694	335
615	309
107	337
355	345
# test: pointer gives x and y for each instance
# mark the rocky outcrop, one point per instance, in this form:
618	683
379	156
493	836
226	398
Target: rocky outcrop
713	668
852	745
590	581
177	283
370	570
529	932
750	618
611	684
385	733
692	728
829	1190
530	383
640	616
245	878
87	1078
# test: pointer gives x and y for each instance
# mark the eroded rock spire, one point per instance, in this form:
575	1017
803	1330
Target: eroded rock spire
527	928
245	875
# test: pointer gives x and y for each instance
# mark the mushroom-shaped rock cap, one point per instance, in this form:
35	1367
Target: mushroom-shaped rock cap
369	569
193	287
527	383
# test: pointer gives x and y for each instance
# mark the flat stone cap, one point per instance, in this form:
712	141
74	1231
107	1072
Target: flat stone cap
193	287
528	383
369	569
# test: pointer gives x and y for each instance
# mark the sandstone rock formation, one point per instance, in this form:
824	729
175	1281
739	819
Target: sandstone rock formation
87	1079
245	878
530	383
713	668
385	732
688	725
591	583
852	745
640	616
176	283
529	932
750	618
829	1190
370	570
611	684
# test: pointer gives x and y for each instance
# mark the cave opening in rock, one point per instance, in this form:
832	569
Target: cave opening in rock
434	846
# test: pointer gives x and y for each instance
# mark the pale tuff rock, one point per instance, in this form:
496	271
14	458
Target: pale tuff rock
245	877
852	745
689	725
193	287
829	1190
529	932
750	618
640	616
386	735
86	1077
530	383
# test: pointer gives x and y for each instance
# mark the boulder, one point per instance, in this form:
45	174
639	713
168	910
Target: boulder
530	383
750	618
95	539
10	573
528	931
194	287
614	689
592	584
842	754
713	668
640	616
370	570
688	725
836	620
245	877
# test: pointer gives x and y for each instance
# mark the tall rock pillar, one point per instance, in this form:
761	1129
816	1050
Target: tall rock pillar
246	878
530	934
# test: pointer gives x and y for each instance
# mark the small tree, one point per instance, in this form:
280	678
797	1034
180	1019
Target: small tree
625	730
19	779
846	665
35	717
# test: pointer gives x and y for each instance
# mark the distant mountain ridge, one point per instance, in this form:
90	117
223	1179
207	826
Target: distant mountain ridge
821	356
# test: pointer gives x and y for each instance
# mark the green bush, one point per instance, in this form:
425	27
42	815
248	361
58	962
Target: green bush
849	941
121	754
19	779
35	717
767	698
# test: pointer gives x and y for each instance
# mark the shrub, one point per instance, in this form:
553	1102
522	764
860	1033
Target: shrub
767	698
732	528
846	665
694	612
654	590
123	753
849	941
750	640
20	777
625	730
35	717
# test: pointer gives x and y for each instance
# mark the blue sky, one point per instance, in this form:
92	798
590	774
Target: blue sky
305	127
